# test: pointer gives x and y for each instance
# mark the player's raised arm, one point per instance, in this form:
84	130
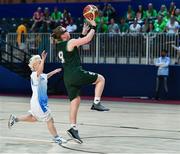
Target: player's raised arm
41	66
53	72
84	40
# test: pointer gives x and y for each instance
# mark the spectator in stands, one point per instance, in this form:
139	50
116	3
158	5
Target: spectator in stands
151	13
162	63
177	48
163	11
113	28
109	10
130	15
21	35
159	24
172	8
135	27
46	18
150	27
38	19
66	18
140	14
102	23
177	14
72	27
123	26
56	17
172	26
145	26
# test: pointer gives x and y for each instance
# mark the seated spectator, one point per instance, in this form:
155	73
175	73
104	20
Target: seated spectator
150	27
123	26
135	27
177	15
172	26
163	11
162	63
102	23
66	18
109	10
56	17
151	13
159	24
172	8
46	17
140	14
37	18
113	28
72	27
130	15
145	26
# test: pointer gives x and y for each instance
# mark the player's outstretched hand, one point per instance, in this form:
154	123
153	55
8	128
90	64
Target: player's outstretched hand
58	70
43	55
85	28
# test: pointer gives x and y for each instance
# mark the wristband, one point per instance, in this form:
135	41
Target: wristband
93	27
82	35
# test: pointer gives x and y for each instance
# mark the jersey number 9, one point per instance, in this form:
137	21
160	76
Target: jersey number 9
61	57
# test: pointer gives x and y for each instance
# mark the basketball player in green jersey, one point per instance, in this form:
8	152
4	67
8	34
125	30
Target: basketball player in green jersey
74	75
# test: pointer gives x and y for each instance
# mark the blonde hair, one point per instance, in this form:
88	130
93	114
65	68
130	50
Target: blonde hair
32	60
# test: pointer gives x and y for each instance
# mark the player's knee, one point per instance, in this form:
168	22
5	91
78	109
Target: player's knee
101	78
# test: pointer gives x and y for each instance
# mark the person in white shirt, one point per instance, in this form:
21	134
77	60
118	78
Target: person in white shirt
135	27
162	63
172	26
72	27
178	53
39	110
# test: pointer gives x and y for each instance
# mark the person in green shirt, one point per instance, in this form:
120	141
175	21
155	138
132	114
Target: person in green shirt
159	24
130	15
163	11
56	16
177	15
151	12
123	26
74	75
102	23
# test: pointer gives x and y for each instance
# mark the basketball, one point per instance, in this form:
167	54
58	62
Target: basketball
90	12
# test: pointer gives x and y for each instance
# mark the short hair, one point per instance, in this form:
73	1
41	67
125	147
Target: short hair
32	60
164	50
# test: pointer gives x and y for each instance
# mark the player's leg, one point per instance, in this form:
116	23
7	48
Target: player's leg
13	119
99	87
158	81
166	87
73	131
52	129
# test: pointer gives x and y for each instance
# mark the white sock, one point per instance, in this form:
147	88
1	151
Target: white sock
97	100
74	126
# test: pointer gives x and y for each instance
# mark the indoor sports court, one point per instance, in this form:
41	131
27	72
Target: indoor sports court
127	128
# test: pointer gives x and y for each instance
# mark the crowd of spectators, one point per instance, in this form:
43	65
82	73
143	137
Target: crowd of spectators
108	21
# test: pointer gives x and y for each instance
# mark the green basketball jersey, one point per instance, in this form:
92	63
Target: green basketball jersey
68	59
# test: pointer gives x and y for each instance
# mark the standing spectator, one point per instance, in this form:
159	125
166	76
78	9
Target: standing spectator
37	18
172	8
172	26
113	27
178	53
159	24
151	13
109	10
162	74
163	10
130	15
135	27
72	27
123	26
56	17
140	14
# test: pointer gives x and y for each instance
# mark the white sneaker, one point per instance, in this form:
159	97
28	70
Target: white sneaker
59	140
11	121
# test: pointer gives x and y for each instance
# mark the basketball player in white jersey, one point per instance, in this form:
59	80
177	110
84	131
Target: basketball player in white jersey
39	110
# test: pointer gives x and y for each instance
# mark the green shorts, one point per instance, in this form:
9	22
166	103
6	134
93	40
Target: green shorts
75	79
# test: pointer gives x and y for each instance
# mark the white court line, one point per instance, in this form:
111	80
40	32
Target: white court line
24	139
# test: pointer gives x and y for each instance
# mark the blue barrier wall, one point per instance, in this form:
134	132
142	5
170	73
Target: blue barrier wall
27	10
121	80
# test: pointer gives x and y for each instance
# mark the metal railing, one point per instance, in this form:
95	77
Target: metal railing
128	48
